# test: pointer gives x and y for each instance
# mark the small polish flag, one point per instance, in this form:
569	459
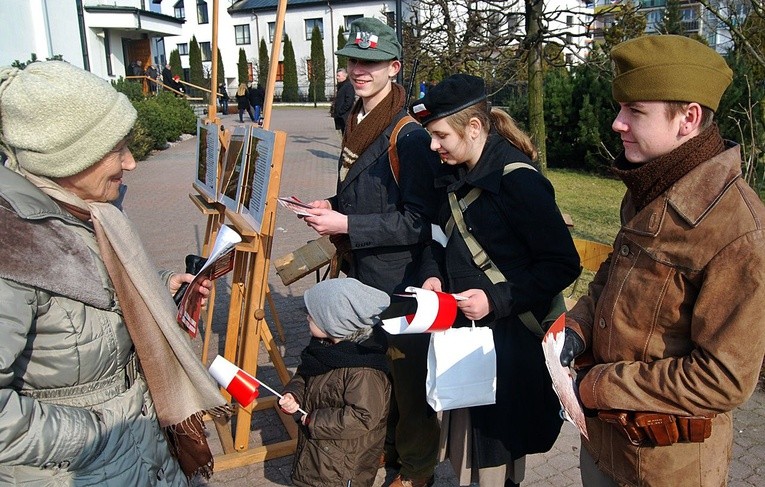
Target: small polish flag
242	386
431	311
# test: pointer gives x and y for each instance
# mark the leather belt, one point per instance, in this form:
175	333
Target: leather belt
658	429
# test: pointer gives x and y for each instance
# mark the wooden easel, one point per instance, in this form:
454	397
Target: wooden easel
247	328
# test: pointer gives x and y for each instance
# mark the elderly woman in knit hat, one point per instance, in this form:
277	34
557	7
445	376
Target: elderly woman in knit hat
498	202
343	386
674	318
98	384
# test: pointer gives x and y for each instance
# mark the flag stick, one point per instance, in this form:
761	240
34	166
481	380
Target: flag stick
276	393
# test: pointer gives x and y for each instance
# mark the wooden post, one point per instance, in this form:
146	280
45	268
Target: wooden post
246	327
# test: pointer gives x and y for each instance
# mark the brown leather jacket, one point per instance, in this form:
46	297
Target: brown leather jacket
676	324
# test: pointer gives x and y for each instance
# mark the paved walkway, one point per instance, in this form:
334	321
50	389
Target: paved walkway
171	226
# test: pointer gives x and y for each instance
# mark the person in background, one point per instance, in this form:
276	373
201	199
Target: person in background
243	102
223	98
516	221
152	73
167	77
98	383
343	102
257	97
342	385
385	221
673	324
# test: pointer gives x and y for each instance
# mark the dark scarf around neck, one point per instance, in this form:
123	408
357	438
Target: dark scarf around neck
647	181
360	135
322	356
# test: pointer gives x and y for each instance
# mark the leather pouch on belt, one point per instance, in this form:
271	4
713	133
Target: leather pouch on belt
624	422
661	428
695	429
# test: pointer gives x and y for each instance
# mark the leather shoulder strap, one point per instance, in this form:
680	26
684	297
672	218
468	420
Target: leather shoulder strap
392	153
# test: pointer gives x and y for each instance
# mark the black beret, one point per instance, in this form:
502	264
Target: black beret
451	95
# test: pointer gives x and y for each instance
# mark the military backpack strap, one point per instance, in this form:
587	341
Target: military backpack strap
395	166
482	259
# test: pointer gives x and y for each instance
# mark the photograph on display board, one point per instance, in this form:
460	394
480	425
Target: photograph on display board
208	148
255	177
234	166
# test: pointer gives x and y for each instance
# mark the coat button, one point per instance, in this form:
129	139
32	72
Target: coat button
64	465
602	323
160	474
49	465
625	250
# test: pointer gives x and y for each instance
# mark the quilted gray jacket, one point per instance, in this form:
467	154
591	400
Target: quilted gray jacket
74	409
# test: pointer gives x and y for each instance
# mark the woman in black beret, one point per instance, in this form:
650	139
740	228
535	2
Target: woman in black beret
516	221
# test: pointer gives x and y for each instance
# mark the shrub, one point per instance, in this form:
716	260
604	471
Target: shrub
161	119
131	89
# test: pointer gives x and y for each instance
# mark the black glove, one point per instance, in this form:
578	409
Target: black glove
194	264
573	346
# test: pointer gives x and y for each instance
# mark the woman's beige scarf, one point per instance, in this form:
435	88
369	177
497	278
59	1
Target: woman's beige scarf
180	386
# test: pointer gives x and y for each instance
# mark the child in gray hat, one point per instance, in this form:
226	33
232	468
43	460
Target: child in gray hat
342	383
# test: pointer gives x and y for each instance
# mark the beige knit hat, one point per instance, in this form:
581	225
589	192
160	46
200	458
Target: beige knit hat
669	68
59	119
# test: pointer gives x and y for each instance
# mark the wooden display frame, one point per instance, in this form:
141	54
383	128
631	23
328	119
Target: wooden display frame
247	328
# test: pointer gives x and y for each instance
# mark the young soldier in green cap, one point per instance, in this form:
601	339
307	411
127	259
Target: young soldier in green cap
387	223
673	320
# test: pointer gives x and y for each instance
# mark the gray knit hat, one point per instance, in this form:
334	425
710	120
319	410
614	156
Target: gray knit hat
340	307
59	119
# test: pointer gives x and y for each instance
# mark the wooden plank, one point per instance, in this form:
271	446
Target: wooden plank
304	260
257	454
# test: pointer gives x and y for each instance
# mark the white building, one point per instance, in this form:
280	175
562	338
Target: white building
105	36
98	35
243	23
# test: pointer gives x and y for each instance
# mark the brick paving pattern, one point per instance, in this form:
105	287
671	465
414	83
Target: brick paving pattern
171	227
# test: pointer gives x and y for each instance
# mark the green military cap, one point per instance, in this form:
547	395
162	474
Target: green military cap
371	40
669	68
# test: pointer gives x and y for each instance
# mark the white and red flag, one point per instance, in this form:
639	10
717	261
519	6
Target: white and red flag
242	386
428	312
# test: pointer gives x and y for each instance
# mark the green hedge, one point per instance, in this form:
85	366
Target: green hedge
162	118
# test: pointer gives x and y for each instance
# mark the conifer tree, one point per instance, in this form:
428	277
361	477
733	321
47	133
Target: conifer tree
672	19
263	63
221	73
243	68
175	64
342	61
290	83
317	76
196	71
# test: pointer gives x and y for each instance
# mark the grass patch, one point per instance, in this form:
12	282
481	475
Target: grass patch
593	203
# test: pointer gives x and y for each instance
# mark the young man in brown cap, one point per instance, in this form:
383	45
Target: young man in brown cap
673	320
387	222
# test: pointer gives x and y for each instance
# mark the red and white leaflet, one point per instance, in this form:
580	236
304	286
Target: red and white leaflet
294	204
562	380
220	262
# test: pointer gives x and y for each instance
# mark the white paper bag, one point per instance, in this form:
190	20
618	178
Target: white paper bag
462	368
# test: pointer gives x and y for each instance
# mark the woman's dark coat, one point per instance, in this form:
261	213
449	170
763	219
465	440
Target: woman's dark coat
518	224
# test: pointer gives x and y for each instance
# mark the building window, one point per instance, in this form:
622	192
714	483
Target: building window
390	18
180	11
310	24
242	34
202	12
272	32
569	20
206	51
280	71
347	19
183	49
